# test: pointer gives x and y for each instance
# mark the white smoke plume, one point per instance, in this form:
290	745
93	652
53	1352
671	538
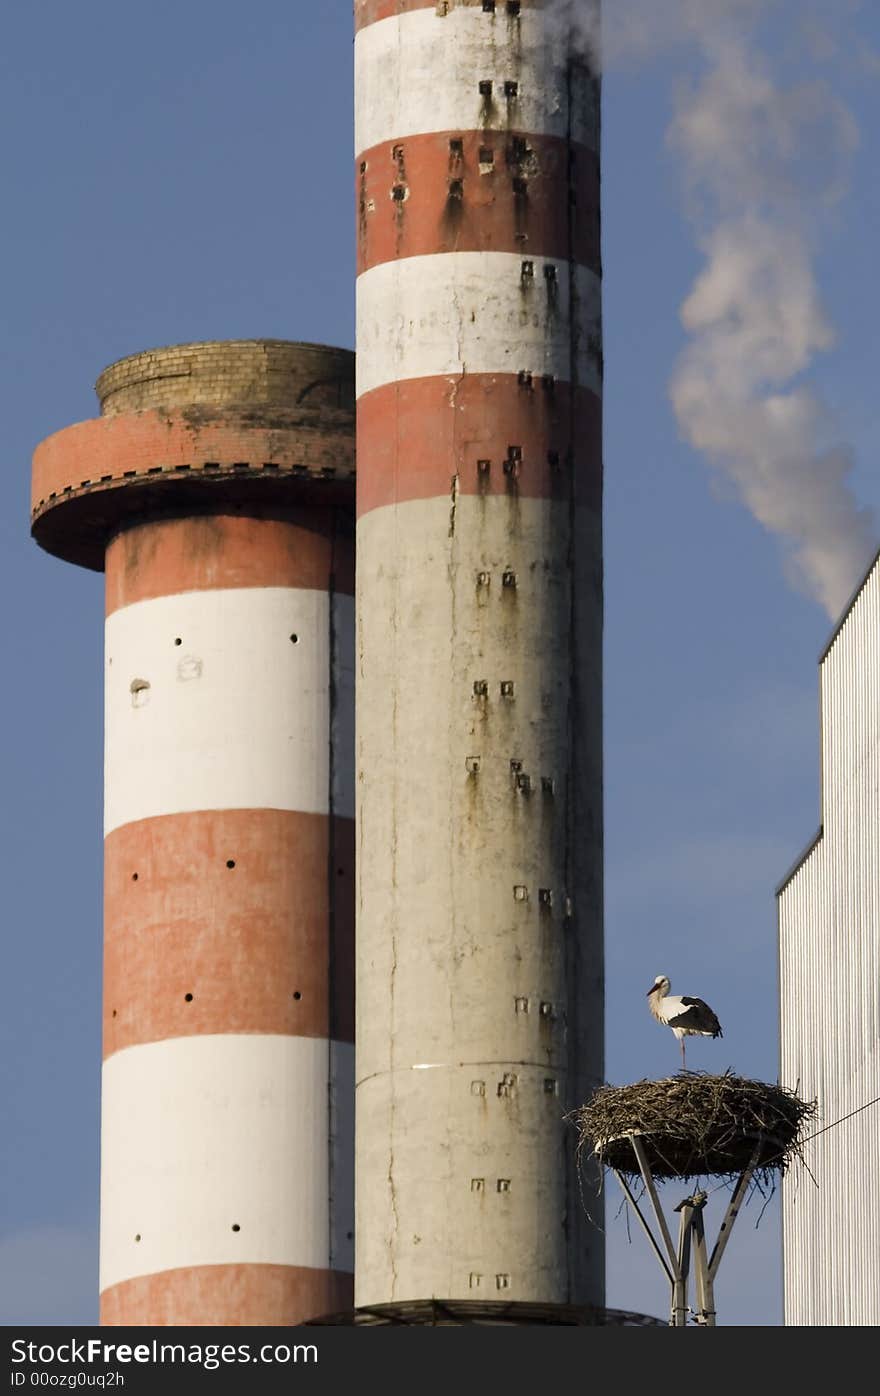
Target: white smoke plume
763	163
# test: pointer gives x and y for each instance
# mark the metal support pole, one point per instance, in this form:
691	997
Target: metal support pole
645	1227
730	1215
705	1289
648	1180
678	1317
680	1288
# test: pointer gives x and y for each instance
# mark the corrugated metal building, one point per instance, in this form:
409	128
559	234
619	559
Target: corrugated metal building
829	963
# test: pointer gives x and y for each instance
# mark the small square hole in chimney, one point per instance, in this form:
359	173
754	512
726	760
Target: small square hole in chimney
511	88
456	146
488	7
513	8
485	87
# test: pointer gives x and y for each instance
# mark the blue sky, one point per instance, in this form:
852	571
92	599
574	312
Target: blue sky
183	172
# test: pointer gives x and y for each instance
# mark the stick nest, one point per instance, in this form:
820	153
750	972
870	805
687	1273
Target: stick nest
694	1124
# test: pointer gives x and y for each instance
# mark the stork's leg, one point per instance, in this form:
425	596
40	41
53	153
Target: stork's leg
681	1044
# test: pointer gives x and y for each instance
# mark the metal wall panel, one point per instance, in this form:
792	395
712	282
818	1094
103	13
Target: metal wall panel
829	949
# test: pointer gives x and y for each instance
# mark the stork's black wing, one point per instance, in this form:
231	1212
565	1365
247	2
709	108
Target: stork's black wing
698	1016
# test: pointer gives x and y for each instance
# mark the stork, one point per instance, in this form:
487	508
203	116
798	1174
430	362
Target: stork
687	1017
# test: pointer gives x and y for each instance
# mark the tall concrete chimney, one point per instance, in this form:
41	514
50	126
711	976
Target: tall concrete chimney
216	491
479	733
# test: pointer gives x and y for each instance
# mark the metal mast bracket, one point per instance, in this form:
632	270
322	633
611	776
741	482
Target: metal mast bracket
676	1263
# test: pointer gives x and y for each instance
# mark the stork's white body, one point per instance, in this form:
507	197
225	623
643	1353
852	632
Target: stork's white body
687	1017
